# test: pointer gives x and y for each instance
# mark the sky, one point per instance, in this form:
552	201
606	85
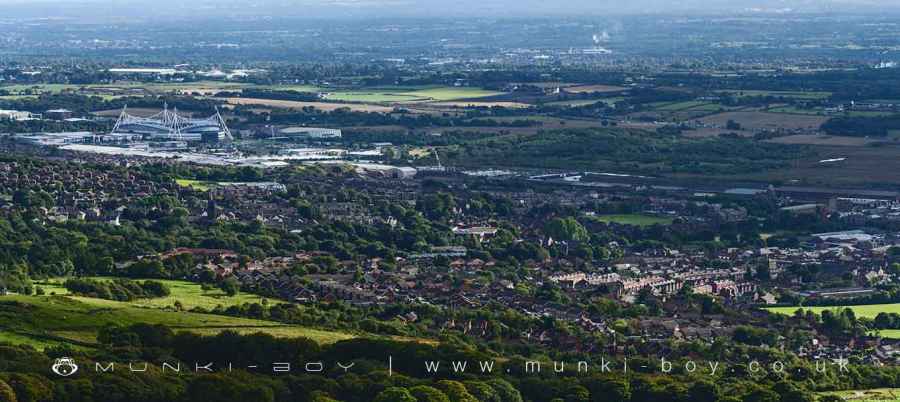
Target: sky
427	8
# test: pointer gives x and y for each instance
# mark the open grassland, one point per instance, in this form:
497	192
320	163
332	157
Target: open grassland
402	95
453	93
189	294
372	97
634	219
17	97
46	320
868	395
764	120
679	106
38	88
867	311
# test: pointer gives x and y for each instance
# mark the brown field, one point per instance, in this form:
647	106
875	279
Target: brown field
357	107
766	121
581	89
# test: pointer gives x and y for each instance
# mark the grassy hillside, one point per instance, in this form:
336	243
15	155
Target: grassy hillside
188	293
44	321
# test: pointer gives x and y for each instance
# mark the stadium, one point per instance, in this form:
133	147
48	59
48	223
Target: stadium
169	125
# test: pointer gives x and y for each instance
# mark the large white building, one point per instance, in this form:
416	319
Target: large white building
16	115
169	125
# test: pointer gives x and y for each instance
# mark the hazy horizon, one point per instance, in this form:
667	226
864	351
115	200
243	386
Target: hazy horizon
426	8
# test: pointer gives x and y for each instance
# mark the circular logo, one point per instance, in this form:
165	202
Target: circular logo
64	366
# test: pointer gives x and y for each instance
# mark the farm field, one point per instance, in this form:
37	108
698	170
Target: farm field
453	93
397	95
634	219
373	97
17	97
764	120
37	88
464	104
678	106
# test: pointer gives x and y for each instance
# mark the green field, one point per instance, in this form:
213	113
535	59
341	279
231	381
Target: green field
868	395
43	321
398	94
634	219
195	184
679	106
38	88
17	97
372	97
189	294
453	93
401	94
868	311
